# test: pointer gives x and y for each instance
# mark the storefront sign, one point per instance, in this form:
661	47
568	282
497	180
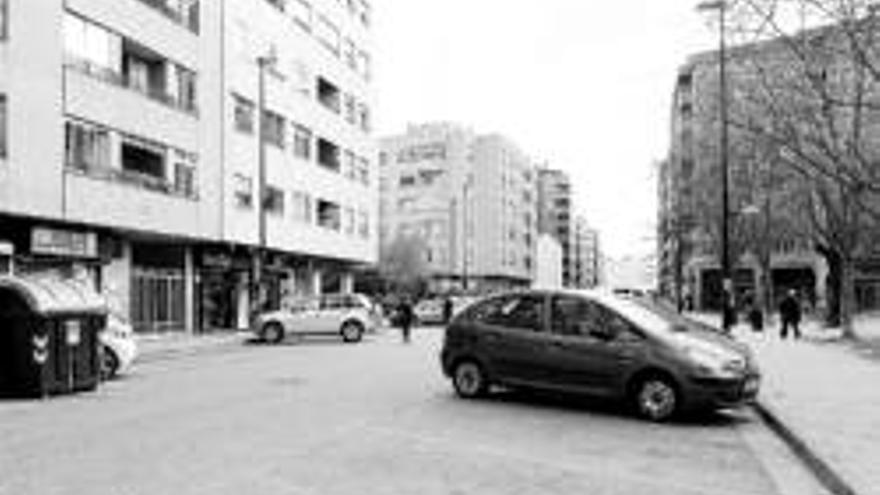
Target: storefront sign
57	242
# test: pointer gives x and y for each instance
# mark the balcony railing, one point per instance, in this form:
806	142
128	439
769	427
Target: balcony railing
115	78
136	179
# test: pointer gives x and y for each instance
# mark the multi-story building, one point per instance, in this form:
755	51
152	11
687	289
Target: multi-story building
584	255
688	240
470	198
132	150
555	215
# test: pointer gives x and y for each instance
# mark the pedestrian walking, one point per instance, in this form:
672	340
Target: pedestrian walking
405	317
790	314
447	309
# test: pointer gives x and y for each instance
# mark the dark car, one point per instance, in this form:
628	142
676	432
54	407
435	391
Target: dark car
599	344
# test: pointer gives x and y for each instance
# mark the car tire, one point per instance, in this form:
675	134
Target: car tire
351	331
656	398
272	333
469	379
109	363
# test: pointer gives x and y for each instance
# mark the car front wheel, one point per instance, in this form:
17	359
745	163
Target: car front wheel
469	380
273	333
351	331
656	398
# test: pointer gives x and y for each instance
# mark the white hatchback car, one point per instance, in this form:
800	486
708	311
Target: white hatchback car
346	315
118	346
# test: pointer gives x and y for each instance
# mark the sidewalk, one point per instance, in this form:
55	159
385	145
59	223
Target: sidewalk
822	395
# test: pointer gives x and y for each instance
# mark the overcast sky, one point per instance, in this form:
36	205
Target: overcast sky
584	85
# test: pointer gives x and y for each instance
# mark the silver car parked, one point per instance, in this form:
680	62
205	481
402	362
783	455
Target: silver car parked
346	315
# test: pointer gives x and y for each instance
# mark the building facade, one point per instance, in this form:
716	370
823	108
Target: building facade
555	216
470	198
145	177
584	255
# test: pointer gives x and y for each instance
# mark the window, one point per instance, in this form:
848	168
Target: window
185	173
243	114
89	46
328	94
329	215
350	165
242	186
274	201
407	180
521	311
86	146
350	54
187	98
328	34
302	207
364	117
4	149
146	71
4	19
273	128
302	142
278	4
349	220
350	109
363	64
365	13
328	154
364	171
363	224
301	10
143	157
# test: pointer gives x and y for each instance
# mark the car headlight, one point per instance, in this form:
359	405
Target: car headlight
715	363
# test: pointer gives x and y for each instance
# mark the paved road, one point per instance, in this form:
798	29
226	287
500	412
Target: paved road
321	417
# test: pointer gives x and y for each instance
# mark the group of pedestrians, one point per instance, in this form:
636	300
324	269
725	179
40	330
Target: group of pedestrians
789	315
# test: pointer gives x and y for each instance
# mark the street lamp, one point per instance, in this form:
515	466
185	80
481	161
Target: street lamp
264	63
720	6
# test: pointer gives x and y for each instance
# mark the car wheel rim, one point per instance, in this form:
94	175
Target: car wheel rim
350	331
271	333
108	364
656	399
469	379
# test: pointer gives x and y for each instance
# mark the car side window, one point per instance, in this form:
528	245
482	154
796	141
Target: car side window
522	311
332	302
574	316
618	327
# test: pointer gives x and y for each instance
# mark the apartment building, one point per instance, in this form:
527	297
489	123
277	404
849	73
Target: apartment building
584	255
555	216
472	200
130	158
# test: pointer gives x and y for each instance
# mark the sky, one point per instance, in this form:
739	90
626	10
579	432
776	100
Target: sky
583	85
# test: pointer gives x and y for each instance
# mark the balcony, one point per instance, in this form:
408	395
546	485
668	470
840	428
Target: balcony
184	13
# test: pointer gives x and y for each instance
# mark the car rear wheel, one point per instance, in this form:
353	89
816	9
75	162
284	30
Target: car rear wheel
273	332
656	398
351	331
109	363
469	380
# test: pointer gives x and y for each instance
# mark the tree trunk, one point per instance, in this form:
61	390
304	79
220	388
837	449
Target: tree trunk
833	285
847	297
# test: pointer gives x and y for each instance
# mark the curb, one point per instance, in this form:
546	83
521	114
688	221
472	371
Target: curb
821	469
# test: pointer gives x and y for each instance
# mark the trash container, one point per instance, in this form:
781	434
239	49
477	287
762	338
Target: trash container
48	336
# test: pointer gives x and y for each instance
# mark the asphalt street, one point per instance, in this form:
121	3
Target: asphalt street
323	417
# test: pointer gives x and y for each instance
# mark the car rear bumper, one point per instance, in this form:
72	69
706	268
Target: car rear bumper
722	392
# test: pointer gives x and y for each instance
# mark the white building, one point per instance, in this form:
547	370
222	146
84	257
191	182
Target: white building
129	149
548	271
470	197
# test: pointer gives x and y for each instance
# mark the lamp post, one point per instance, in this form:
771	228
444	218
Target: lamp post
264	63
720	6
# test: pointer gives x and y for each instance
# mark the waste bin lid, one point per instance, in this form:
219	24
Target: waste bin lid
49	295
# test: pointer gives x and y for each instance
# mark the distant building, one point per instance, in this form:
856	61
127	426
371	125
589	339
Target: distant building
470	197
585	255
555	216
548	271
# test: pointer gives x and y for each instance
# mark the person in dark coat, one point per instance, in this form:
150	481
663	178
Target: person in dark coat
405	317
755	315
790	314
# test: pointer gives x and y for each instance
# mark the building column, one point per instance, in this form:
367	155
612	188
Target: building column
317	281
116	280
347	283
189	291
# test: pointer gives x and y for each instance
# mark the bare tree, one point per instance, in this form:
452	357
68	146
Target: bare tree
814	96
403	264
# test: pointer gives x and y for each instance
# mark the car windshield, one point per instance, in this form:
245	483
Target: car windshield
678	322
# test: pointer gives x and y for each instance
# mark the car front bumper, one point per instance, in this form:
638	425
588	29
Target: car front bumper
711	392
